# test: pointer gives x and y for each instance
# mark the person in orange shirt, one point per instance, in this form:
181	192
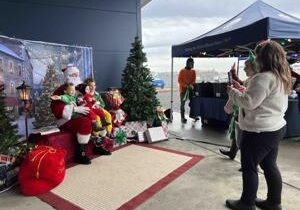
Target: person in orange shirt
186	79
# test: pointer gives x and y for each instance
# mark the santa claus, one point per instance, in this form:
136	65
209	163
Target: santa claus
80	125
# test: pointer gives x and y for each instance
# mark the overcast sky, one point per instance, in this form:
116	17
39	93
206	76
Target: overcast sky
169	22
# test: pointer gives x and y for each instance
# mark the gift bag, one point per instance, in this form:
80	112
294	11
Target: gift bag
42	170
118	117
114	99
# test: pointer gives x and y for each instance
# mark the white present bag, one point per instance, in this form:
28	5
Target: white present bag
155	134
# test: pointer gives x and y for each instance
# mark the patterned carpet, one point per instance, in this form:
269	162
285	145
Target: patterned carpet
124	180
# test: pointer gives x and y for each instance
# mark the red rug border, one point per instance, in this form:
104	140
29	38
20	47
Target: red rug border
62	204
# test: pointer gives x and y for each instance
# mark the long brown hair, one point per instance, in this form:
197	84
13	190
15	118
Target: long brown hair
271	57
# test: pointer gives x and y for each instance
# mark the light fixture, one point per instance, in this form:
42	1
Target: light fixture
24	95
24	91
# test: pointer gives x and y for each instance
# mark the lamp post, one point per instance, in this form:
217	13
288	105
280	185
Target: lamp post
24	94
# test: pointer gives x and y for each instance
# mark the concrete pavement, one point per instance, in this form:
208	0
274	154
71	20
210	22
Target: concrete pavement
208	183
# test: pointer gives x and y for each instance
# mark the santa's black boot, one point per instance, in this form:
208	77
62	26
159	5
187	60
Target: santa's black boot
81	157
101	151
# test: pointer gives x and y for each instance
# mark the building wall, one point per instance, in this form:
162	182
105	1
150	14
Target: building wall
109	26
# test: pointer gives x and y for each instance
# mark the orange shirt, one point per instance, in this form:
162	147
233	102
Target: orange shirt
185	78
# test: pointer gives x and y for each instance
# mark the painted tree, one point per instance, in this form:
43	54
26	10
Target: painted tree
43	114
137	89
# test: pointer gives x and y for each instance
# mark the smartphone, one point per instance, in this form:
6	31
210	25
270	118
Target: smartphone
230	82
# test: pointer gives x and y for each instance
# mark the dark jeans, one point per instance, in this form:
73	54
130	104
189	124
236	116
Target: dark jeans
261	148
182	105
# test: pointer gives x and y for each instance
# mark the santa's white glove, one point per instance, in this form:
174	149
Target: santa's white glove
81	109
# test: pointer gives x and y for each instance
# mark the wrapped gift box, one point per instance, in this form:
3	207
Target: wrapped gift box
141	137
155	134
165	127
8	176
134	127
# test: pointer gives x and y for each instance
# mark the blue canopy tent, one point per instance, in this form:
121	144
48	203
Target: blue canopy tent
258	22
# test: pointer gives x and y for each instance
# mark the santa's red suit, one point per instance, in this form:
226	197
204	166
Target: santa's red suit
81	125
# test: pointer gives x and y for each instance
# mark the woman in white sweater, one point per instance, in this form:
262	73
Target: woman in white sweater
262	109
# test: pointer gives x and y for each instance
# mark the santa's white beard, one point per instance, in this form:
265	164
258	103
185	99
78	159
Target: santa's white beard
75	80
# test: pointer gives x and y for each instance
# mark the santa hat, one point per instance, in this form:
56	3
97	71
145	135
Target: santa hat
69	69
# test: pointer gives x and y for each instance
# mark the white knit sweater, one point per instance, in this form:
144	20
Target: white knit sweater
263	105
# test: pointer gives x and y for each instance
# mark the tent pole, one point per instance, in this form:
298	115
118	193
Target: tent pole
238	66
172	79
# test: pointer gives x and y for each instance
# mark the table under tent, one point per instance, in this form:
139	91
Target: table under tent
256	23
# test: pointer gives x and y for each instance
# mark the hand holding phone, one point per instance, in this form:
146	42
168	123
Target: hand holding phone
230	80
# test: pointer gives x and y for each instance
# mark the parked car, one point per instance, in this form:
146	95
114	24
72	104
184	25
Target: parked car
158	83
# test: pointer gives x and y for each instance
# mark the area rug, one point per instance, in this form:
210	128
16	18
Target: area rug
124	180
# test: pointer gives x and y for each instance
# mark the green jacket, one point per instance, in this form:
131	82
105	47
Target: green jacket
67	99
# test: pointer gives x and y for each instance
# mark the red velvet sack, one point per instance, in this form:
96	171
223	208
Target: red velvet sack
42	170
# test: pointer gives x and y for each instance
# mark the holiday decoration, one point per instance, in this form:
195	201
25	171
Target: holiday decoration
42	170
155	134
132	128
120	137
10	150
165	128
8	175
107	144
141	137
137	89
186	93
114	99
118	117
43	114
160	116
8	136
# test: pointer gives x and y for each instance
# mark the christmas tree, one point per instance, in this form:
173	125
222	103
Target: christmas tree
43	114
140	95
8	136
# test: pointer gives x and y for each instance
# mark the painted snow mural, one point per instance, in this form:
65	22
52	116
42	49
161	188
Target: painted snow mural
39	64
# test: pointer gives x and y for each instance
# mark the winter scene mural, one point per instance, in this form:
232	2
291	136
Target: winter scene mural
39	64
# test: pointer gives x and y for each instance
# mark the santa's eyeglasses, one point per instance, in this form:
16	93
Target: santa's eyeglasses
73	75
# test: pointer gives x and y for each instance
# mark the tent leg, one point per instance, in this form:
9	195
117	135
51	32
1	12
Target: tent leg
238	66
172	79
